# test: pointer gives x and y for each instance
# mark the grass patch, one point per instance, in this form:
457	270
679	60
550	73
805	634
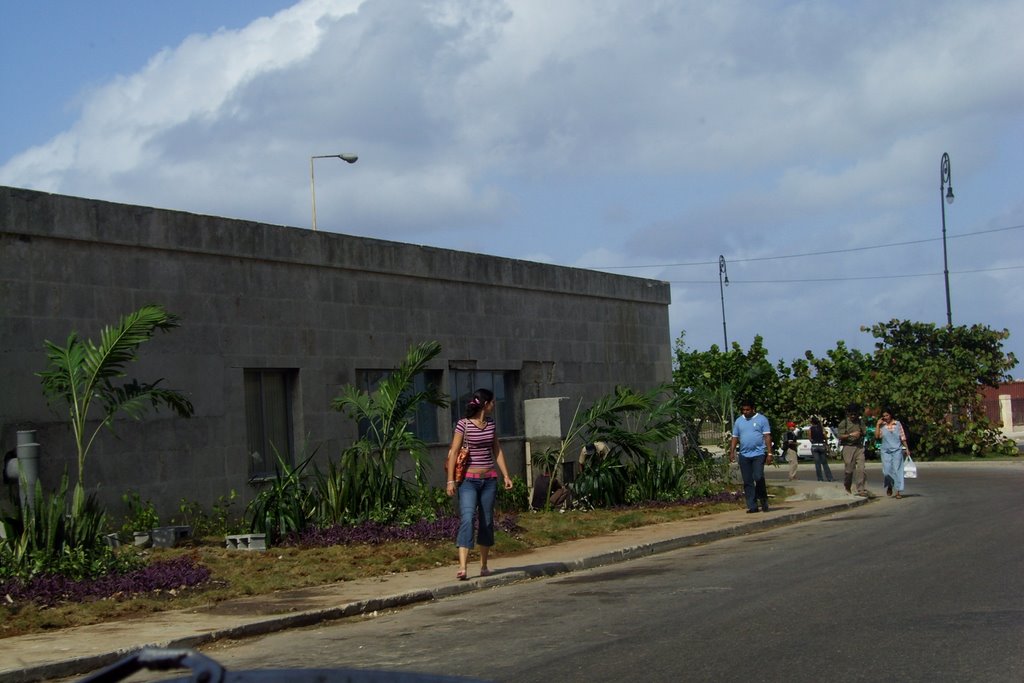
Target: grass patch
237	574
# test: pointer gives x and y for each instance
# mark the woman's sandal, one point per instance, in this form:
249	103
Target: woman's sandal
461	576
485	572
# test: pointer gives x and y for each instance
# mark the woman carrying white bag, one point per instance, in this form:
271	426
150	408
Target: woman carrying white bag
894	443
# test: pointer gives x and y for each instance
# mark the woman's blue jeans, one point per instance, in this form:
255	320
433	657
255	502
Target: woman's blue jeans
476	496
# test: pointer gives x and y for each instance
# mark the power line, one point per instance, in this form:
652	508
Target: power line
843	279
811	253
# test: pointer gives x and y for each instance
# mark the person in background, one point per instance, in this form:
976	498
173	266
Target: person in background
752	438
819	450
894	445
548	491
851	436
789	448
480	487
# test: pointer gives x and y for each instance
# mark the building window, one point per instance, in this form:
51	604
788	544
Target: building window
465	382
424	421
268	419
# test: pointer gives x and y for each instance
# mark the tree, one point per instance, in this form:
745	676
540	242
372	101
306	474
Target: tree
822	386
713	381
81	375
929	377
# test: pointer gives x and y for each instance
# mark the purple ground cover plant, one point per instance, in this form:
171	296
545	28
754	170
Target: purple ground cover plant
374	533
50	589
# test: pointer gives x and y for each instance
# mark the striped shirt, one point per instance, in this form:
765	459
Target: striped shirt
480	441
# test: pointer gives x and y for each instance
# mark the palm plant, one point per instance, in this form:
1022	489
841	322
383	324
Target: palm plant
46	540
634	422
286	505
637	425
367	482
81	375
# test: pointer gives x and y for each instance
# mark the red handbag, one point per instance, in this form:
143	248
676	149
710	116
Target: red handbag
462	459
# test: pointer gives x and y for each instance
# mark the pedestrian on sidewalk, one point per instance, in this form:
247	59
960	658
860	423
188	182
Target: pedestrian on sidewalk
819	450
851	436
752	437
789	449
480	487
894	445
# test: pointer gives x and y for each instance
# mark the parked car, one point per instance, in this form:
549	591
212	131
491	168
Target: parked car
803	445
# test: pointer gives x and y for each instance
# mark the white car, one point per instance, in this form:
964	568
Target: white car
803	445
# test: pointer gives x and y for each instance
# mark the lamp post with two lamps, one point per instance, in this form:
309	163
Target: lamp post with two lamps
348	158
945	181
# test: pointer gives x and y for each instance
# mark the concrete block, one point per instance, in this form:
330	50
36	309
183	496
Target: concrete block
246	542
170	536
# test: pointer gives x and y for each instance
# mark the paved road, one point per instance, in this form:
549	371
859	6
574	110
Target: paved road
926	588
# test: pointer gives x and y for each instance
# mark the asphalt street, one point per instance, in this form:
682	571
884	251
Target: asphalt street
924	588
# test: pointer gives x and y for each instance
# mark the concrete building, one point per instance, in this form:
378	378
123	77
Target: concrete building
274	320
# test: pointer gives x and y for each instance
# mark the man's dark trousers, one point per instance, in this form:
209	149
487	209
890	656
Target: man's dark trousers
752	470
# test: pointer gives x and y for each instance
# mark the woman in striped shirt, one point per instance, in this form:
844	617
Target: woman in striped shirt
480	487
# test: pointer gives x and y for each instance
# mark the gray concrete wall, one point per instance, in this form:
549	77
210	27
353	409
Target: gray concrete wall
262	296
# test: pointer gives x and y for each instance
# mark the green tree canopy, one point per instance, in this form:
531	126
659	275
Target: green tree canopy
929	377
712	382
822	386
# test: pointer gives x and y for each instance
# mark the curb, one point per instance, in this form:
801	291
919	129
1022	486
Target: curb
84	665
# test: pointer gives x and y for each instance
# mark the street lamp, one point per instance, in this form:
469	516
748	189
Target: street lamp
725	335
348	158
722	273
945	181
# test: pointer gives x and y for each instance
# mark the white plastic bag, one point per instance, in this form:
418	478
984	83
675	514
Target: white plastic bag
909	468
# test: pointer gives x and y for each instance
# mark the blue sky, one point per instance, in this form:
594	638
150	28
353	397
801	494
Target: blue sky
636	136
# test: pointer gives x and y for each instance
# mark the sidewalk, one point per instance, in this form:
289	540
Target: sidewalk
75	651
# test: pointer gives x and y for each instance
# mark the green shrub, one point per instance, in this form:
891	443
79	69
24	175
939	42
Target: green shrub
429	504
218	522
516	499
45	539
141	515
285	505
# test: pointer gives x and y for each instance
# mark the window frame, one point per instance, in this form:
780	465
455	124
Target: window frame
257	387
424	424
463	382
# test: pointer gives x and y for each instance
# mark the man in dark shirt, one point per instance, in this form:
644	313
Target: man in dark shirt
851	436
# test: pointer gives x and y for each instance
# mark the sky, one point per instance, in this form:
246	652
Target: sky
799	141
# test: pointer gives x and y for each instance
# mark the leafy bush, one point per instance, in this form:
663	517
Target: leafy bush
50	589
141	515
429	504
286	505
47	540
602	484
219	522
516	499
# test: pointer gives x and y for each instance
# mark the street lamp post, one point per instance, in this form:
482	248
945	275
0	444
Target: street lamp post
348	158
721	292
945	196
725	335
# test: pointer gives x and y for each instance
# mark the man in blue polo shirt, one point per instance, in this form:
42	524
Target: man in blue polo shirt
753	435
